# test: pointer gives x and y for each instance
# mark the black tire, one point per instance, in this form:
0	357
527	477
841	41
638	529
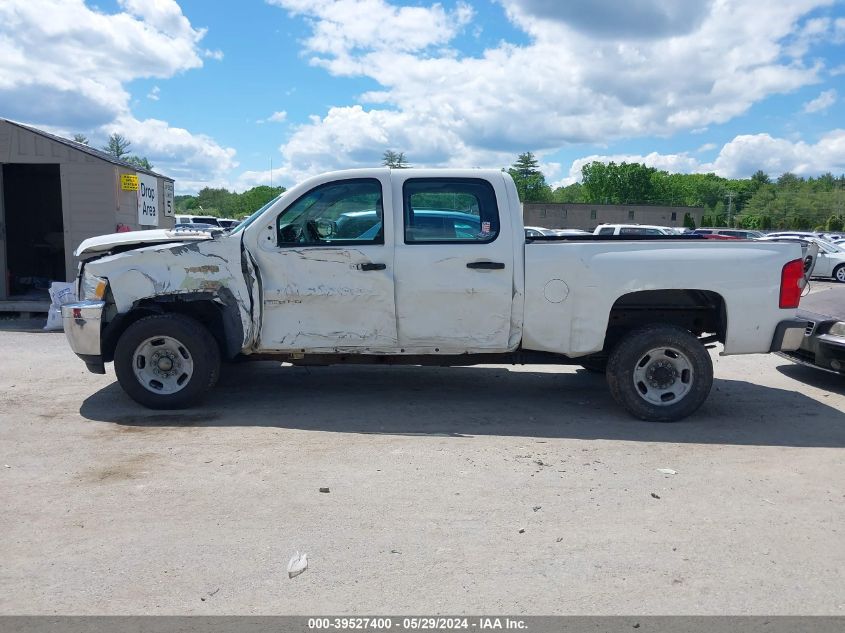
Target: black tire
198	345
595	364
691	370
839	273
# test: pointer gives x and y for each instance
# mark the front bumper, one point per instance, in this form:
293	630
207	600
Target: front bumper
83	324
788	335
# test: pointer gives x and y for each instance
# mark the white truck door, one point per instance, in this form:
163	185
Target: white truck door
454	264
326	267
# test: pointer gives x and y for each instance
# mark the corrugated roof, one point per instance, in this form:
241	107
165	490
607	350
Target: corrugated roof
88	150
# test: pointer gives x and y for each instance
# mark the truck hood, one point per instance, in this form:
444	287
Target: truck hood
138	239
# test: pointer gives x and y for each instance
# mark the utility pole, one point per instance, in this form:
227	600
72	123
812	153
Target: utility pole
730	196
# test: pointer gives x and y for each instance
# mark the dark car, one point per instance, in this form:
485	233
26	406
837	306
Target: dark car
823	346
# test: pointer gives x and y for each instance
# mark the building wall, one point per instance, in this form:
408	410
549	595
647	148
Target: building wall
92	200
589	216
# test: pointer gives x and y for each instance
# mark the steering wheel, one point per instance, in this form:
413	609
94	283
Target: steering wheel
292	234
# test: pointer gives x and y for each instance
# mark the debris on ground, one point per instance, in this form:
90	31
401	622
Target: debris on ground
655	495
324	490
522	530
535	508
667	471
395	551
558	539
298	564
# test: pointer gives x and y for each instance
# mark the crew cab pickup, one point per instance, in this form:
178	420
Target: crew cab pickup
419	266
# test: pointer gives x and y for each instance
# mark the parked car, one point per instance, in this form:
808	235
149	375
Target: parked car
830	261
537	231
794	234
716	236
197	219
633	229
741	234
823	346
228	223
426	267
562	232
196	226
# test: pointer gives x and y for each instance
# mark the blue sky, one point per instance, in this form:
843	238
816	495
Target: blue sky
212	92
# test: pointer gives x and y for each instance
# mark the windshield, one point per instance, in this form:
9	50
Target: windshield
254	216
829	247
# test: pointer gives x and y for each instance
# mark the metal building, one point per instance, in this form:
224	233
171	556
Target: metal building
570	215
54	193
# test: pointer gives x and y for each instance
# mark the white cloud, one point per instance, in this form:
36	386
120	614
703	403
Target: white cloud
706	148
637	19
65	66
342	29
747	153
216	55
277	117
698	67
822	102
193	160
837	70
153	94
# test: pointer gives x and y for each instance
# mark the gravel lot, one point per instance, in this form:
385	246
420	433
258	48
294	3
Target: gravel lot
433	473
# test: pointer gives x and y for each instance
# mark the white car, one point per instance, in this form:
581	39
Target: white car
538	231
633	229
197	219
426	267
830	261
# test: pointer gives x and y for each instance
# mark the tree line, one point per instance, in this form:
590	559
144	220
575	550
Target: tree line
758	202
222	203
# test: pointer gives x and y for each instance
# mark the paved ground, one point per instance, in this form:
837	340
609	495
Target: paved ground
110	508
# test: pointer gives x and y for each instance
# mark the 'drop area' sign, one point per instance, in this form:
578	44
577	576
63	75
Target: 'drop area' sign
147	200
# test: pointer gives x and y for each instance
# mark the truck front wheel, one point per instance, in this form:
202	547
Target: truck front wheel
166	361
660	373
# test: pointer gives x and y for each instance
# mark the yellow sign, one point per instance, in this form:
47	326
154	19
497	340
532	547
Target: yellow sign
129	182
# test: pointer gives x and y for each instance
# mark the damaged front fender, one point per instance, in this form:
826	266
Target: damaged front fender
209	270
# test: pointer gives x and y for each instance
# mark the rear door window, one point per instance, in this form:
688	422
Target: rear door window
449	210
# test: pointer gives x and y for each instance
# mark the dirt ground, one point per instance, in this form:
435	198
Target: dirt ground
518	490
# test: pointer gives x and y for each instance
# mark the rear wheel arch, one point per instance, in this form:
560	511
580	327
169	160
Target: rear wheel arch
697	311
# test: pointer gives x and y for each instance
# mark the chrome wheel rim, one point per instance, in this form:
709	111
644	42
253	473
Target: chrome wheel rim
162	364
663	376
840	274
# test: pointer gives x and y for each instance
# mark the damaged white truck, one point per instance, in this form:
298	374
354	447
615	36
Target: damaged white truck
426	267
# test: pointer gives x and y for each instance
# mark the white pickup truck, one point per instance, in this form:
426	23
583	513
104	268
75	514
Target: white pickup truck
433	267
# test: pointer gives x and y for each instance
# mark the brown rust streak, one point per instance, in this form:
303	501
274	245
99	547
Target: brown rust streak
207	268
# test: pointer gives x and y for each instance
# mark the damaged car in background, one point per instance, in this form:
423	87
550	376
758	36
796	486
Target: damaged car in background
823	345
427	267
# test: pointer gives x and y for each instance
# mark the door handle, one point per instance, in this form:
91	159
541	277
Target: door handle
486	265
371	266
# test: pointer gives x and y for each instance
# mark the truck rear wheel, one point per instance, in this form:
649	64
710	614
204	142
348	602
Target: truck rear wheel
166	361
660	373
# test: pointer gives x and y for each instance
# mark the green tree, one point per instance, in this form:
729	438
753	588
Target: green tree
139	161
530	181
80	138
394	160
118	146
834	224
688	221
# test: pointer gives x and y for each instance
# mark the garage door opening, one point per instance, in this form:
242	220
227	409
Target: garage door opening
35	241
